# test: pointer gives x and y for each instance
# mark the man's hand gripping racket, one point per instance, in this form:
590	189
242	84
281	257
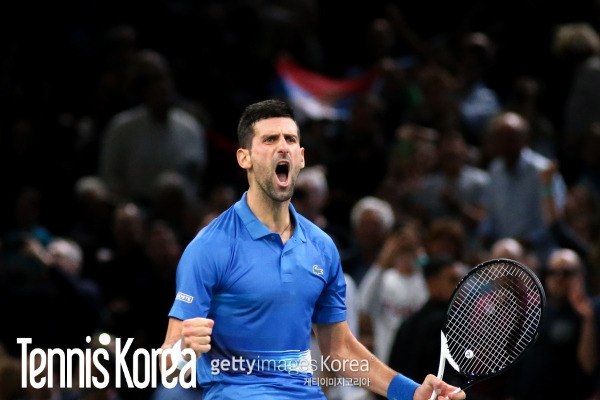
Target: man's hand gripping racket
493	318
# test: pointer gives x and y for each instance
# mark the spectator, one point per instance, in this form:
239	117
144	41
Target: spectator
578	45
50	299
372	220
576	225
455	189
92	214
416	345
362	162
411	158
589	174
393	287
565	351
311	195
514	197
311	198
478	102
507	248
440	105
525	98
175	204
124	259
512	249
446	236
155	137
27	226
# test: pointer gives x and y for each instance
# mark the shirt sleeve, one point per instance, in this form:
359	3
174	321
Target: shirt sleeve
196	279
330	306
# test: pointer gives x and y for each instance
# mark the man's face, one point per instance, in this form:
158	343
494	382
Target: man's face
442	286
275	157
561	275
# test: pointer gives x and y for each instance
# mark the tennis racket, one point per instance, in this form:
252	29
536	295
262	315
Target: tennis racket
493	318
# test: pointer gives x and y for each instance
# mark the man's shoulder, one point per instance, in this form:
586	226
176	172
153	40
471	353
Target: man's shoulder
185	118
127	117
474	173
538	161
220	231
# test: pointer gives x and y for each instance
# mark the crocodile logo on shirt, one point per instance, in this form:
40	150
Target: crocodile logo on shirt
317	270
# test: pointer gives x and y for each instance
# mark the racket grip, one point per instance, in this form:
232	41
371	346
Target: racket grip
434	394
454	391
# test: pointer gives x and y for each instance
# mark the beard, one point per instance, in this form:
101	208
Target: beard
266	182
274	193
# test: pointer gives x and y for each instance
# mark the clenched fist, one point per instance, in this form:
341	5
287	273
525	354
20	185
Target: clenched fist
195	334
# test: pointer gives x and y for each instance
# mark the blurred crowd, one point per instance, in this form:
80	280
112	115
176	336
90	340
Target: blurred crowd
480	139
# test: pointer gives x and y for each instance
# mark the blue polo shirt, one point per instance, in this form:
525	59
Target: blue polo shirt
264	297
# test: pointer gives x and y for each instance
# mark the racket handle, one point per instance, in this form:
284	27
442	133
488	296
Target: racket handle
442	366
434	394
443	350
454	391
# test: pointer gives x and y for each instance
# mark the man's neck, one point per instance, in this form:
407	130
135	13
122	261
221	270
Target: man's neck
274	214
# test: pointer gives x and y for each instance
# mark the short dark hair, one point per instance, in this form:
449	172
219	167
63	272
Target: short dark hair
436	264
271	108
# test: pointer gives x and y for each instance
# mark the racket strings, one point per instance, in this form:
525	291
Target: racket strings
486	339
490	346
492	319
489	340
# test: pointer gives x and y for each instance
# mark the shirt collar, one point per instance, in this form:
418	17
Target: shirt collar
256	228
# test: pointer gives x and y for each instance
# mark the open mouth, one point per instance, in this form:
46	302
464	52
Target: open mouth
282	171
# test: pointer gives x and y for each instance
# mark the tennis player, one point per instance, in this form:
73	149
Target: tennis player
254	282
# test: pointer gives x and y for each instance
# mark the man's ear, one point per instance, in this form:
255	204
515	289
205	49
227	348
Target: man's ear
243	158
303	164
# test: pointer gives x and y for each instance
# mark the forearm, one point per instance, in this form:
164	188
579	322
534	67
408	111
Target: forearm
358	363
173	335
338	344
167	363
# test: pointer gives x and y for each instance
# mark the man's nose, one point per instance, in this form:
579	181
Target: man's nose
283	145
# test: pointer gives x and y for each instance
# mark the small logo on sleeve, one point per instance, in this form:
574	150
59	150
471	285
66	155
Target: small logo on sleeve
317	270
184	297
